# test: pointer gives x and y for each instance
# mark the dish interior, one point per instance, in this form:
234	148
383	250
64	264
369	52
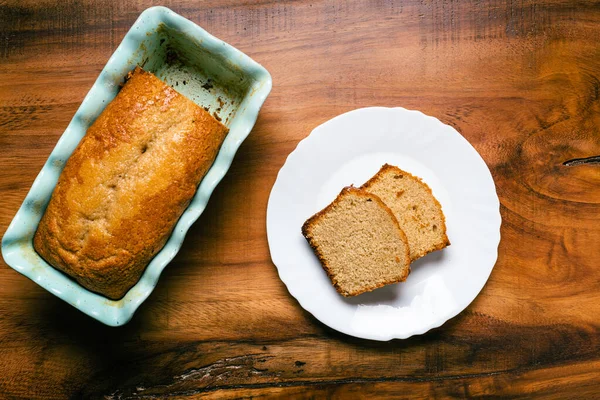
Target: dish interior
208	79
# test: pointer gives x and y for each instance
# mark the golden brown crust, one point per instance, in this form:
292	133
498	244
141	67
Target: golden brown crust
310	222
126	185
379	175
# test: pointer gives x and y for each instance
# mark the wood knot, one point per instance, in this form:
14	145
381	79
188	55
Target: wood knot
580	161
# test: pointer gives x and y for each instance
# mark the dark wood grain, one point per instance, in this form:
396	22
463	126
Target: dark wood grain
519	79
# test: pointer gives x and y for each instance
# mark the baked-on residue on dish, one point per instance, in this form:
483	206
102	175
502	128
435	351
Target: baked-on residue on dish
358	242
126	185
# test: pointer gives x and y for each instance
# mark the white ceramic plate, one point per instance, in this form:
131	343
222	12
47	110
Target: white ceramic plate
349	149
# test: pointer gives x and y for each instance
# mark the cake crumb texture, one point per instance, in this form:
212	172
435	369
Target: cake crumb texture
418	212
359	243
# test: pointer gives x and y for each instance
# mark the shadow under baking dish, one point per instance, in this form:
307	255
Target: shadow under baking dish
216	76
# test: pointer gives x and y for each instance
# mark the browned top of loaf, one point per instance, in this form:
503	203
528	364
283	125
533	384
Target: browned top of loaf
126	185
417	210
358	242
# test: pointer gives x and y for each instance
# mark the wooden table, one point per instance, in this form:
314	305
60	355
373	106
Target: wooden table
519	79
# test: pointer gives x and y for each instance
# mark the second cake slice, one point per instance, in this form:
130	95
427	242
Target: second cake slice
359	242
418	212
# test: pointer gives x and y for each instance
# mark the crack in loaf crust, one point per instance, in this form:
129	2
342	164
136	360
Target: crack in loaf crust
126	185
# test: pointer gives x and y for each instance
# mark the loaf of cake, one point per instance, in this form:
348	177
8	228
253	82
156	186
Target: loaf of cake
418	212
127	183
358	242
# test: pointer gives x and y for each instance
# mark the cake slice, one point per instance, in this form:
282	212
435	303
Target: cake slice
418	212
359	242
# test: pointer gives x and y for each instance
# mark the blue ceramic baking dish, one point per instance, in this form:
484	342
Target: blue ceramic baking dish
205	69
